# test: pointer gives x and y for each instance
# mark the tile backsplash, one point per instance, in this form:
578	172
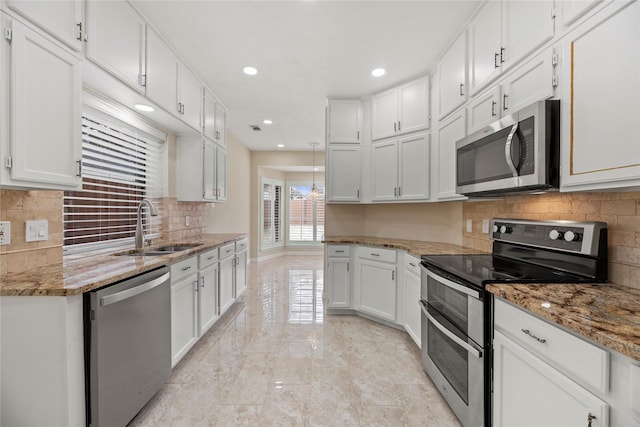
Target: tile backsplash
621	212
18	206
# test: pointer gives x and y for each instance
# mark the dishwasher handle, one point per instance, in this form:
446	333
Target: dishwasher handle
137	290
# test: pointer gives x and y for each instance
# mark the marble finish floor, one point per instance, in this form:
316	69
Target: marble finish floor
275	359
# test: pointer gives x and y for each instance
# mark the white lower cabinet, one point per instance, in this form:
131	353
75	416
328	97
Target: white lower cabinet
226	293
208	290
338	276
240	268
184	307
412	313
375	284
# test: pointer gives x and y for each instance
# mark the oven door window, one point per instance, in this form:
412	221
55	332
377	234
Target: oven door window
484	160
451	359
449	302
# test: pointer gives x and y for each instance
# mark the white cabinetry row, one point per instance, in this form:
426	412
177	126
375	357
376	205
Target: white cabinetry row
382	284
203	287
543	373
41	78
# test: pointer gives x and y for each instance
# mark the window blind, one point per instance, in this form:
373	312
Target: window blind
271	214
305	214
121	165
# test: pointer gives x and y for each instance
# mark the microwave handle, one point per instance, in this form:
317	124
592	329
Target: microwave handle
507	151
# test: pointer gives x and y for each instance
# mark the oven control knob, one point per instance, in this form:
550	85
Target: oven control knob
495	228
505	229
555	235
570	236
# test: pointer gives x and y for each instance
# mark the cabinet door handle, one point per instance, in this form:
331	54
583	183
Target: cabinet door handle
495	60
195	288
347	267
79	168
461	91
399	191
202	286
528	332
505	97
394	126
493	108
501	55
398	125
358	136
358	193
393	275
395	191
590	419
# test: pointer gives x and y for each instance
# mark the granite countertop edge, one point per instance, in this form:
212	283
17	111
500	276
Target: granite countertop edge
77	275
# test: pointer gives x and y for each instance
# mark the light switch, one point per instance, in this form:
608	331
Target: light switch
36	231
5	232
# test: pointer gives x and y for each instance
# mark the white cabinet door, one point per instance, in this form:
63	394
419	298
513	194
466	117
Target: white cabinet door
384	114
452	77
600	126
338	283
384	171
221	125
484	109
413	108
240	273
226	284
520	40
190	102
209	114
221	174
449	132
162	73
530	83
529	392
62	18
343	173
344	121
45	111
377	289
485	38
184	317
207	298
117	42
412	313
414	167
195	169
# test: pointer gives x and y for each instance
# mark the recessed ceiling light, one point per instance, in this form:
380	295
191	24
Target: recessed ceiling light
378	72
252	71
267	122
143	107
280	145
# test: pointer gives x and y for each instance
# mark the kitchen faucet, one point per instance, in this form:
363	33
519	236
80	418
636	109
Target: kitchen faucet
140	240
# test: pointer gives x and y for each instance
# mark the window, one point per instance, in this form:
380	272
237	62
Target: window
121	165
305	214
271	214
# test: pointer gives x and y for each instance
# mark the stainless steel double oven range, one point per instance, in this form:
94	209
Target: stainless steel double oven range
457	315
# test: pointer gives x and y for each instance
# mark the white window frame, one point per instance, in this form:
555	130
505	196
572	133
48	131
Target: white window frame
298	243
273	244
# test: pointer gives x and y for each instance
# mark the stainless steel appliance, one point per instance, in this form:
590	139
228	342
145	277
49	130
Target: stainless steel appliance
518	153
457	313
127	346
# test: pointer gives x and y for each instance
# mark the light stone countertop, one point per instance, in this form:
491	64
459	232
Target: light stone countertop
76	275
606	313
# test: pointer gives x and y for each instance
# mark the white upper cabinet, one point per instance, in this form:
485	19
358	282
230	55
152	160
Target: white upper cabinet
215	119
452	77
60	18
384	171
485	40
344	121
220	125
601	106
484	109
343	173
401	110
190	97
42	143
117	41
449	131
499	39
162	73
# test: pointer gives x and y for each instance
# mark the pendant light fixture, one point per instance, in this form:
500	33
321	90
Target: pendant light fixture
314	189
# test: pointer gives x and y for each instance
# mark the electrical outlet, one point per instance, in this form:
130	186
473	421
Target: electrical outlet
5	232
485	226
469	226
36	231
187	220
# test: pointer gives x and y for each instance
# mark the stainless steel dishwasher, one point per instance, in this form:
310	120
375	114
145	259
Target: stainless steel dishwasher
127	346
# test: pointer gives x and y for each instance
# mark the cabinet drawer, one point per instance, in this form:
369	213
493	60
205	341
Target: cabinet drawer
579	359
208	258
338	250
412	264
377	254
227	250
241	245
183	268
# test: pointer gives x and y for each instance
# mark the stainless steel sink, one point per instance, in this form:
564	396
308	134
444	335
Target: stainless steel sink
162	250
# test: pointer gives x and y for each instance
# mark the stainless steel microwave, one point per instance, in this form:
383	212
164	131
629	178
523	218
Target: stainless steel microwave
518	153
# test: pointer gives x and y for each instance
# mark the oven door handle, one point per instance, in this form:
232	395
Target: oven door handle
458	287
471	349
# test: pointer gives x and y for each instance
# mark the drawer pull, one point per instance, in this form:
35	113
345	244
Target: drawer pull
186	268
375	254
210	258
412	264
528	332
339	252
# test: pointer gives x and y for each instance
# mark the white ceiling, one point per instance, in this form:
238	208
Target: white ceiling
304	51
